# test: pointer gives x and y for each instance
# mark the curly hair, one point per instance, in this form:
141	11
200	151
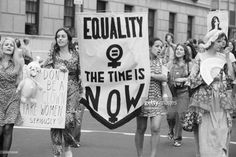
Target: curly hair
152	41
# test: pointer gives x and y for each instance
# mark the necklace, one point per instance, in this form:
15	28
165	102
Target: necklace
66	55
4	64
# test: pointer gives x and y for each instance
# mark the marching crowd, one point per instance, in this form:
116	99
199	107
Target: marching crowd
177	65
212	105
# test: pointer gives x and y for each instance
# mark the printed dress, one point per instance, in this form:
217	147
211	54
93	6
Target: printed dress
74	110
154	105
214	104
9	99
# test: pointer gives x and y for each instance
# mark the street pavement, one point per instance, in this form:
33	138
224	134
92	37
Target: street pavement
98	141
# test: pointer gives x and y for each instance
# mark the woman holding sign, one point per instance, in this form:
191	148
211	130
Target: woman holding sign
154	106
11	63
211	73
63	56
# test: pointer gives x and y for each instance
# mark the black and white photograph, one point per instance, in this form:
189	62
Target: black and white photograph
117	78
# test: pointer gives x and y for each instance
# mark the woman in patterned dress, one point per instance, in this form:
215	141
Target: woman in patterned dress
11	65
64	57
211	101
153	108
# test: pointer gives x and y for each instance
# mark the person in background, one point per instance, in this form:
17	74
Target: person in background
211	101
76	45
64	57
232	53
179	72
18	43
226	49
201	47
194	43
153	108
231	45
27	53
11	71
168	48
191	49
230	48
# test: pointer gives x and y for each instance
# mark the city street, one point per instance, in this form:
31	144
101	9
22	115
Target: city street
98	141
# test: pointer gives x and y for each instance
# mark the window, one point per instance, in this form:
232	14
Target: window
128	8
32	17
190	27
151	23
101	6
69	16
232	17
172	23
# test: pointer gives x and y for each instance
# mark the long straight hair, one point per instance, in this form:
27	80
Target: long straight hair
16	57
56	47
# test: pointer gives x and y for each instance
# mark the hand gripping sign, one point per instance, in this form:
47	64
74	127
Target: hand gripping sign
115	67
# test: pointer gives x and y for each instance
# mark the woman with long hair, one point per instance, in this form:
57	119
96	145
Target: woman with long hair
11	66
64	57
179	71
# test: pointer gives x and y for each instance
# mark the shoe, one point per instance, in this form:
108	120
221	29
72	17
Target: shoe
177	143
170	136
68	152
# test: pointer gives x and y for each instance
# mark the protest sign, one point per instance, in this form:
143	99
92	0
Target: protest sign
218	20
115	66
50	107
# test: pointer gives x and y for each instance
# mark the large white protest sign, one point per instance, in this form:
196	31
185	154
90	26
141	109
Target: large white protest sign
218	20
50	107
115	67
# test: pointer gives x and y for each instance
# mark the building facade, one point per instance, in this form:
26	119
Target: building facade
39	19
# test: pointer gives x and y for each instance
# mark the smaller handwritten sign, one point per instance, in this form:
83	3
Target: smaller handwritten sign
50	107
